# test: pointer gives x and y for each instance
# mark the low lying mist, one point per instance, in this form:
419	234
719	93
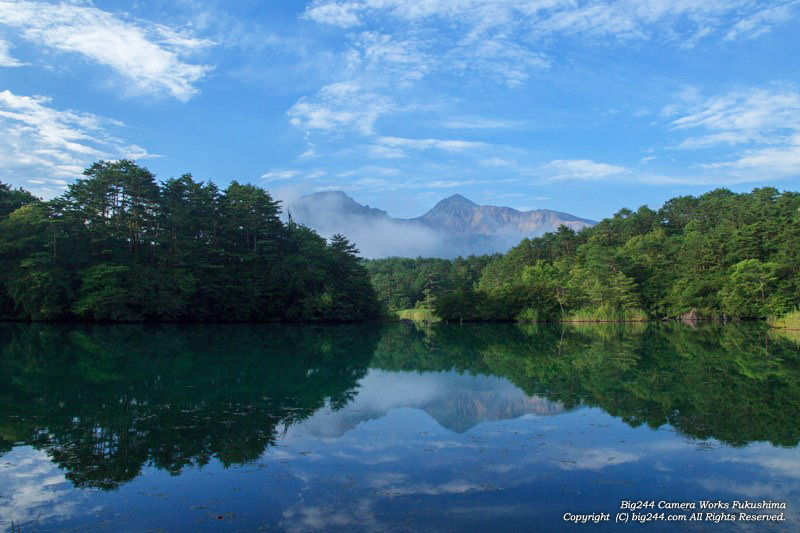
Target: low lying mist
377	238
377	235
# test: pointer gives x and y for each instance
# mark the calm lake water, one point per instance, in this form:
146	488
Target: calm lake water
392	427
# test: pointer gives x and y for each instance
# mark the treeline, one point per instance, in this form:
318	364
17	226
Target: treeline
403	283
720	254
118	246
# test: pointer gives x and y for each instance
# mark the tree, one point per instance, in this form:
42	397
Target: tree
748	290
119	247
13	199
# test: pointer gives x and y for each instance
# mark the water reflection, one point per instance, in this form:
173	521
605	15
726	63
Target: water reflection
394	425
104	401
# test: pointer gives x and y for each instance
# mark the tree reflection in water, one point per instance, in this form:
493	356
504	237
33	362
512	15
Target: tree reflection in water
105	401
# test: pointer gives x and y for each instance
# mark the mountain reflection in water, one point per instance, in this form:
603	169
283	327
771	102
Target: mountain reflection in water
108	404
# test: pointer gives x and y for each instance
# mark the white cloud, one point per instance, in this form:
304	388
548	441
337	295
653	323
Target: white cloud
763	163
335	13
384	171
488	42
315	174
757	115
371	183
383	59
5	57
765	123
497	162
49	147
500	58
499	41
683	22
278	175
779	461
448	145
311	152
761	21
472	122
152	56
340	107
708	176
445	184
679	21
579	169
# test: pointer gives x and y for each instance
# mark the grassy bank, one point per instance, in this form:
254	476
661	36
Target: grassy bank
586	315
788	321
604	314
417	315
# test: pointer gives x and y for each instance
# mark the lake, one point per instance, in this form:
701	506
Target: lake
396	427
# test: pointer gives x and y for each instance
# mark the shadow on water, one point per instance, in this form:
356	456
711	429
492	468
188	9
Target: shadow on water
104	401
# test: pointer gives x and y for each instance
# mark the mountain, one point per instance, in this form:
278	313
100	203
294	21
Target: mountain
459	216
454	226
457	402
318	209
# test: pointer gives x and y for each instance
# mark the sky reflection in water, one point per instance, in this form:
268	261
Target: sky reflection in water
459	448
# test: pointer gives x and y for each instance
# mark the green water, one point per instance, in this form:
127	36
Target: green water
390	427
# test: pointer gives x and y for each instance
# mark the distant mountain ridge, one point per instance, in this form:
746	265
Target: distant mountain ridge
459	216
454	226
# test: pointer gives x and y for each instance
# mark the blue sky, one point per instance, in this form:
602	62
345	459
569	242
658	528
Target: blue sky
574	105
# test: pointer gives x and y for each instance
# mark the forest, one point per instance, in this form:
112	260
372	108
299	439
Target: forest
118	246
722	254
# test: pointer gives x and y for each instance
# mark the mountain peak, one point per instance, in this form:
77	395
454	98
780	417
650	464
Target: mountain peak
328	203
455	201
328	194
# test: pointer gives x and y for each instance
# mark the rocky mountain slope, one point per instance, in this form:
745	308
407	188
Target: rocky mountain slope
459	216
454	226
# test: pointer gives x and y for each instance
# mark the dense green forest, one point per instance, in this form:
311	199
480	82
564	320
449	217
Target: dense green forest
721	254
118	246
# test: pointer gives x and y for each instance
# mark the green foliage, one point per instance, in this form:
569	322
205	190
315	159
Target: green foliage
417	315
401	283
39	290
788	321
749	289
13	199
720	253
117	246
606	313
105	294
461	304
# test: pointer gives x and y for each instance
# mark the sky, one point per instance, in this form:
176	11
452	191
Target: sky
582	106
